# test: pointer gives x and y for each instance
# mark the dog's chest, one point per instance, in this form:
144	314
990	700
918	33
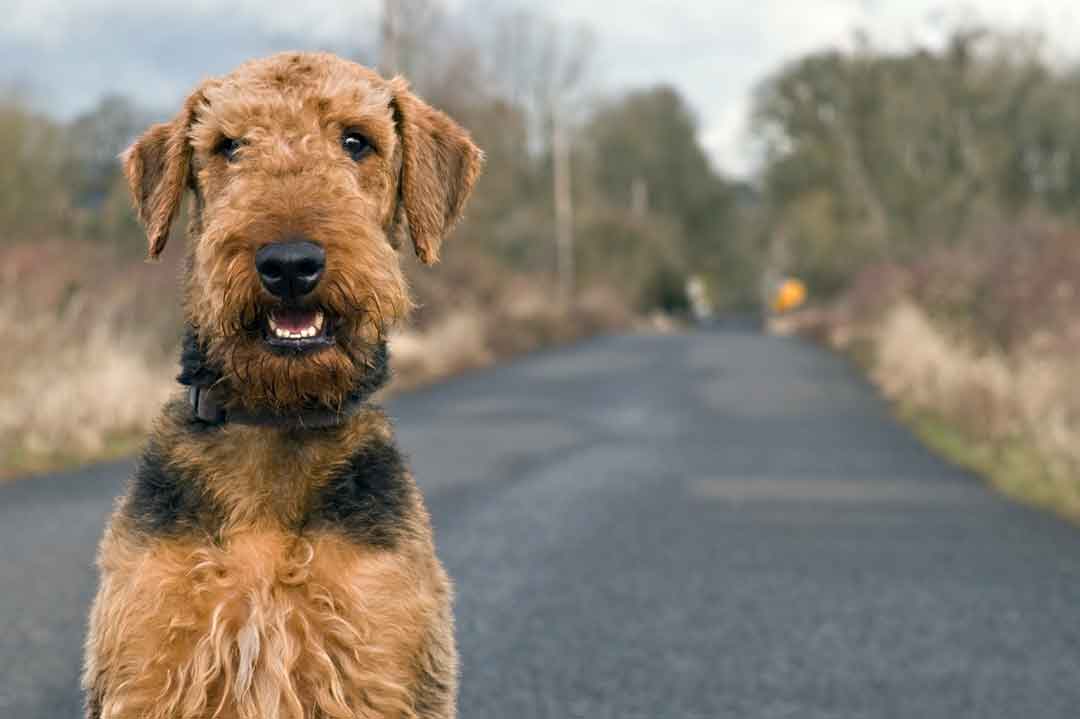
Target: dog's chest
363	493
267	625
267	578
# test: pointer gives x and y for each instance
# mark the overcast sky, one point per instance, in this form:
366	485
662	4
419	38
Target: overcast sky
65	54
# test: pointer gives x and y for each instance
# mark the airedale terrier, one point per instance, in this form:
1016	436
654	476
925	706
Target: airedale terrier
272	557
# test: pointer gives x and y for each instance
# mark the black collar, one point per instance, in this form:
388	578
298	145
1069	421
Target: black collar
208	394
208	405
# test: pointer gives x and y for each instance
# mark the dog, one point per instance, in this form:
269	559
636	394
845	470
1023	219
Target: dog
272	557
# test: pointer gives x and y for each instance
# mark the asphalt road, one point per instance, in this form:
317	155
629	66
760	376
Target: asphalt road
706	525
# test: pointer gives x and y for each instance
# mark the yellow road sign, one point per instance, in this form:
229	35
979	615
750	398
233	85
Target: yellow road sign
789	295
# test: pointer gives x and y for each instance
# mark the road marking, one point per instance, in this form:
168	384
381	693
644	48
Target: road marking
828	489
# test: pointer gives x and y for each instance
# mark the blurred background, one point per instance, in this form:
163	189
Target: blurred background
894	178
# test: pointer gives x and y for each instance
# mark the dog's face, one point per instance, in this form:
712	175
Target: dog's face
306	172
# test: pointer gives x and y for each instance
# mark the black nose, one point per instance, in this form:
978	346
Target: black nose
290	270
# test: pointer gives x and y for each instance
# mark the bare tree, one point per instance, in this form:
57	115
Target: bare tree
408	31
543	64
388	38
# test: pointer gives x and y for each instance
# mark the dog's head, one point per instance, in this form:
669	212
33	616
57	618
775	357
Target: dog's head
307	171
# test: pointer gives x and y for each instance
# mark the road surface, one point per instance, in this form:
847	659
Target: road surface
702	525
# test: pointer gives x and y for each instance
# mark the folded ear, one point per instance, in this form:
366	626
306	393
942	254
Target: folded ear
439	166
157	166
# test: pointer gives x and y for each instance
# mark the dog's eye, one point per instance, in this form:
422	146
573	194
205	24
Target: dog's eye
228	148
356	145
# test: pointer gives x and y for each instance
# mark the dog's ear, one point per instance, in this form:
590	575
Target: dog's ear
439	166
157	167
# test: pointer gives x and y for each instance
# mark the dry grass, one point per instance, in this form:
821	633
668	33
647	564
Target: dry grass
1004	406
77	380
471	336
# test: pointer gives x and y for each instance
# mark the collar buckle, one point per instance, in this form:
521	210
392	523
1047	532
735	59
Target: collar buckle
205	404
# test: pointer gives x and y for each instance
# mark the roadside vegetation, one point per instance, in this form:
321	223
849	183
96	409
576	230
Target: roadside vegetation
930	199
91	332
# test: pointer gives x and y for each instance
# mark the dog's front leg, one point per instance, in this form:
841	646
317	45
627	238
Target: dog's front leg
435	690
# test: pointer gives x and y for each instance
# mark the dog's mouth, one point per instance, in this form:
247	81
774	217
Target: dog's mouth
297	329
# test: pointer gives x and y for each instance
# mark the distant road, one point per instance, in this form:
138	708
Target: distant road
703	525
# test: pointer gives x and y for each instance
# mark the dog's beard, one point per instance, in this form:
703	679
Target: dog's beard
264	377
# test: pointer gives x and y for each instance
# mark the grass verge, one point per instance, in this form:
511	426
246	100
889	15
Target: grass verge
1014	467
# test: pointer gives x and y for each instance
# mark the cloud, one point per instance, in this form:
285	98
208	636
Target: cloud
716	52
66	55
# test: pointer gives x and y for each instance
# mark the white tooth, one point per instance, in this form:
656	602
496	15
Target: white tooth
273	325
318	320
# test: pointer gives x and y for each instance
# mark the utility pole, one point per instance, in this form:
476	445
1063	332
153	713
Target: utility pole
639	198
564	210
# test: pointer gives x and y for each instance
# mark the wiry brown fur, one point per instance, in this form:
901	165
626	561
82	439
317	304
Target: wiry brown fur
292	179
233	585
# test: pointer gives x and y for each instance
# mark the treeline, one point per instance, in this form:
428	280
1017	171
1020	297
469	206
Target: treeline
644	204
873	156
63	180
